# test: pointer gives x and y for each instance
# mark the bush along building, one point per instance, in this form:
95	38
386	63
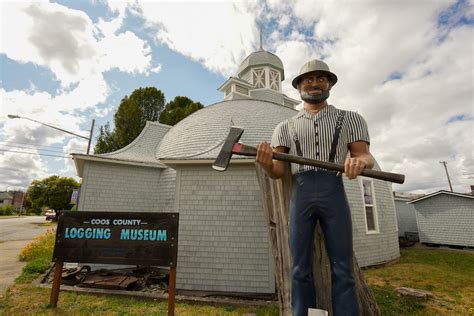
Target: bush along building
223	238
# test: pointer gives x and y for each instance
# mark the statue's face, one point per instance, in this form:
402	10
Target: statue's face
314	87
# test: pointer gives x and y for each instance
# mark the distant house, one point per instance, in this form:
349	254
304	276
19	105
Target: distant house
18	200
406	217
5	199
445	218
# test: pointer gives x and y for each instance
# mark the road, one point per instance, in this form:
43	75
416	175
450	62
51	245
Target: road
16	233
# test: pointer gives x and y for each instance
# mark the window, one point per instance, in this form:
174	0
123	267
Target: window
259	78
274	80
370	208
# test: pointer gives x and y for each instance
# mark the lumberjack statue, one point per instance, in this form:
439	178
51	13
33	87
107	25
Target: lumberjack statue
320	131
316	141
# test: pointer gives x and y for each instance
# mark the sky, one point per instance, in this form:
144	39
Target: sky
406	66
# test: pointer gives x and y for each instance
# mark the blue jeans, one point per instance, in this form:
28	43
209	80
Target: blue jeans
319	195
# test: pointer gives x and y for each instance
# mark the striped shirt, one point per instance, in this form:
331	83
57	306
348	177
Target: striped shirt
315	134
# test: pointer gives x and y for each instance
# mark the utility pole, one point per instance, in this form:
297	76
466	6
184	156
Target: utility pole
22	200
447	174
90	137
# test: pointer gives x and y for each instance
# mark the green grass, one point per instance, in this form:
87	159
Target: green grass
449	275
31	300
391	304
23	298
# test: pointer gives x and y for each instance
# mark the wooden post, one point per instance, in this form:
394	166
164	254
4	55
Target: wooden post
275	197
172	291
58	270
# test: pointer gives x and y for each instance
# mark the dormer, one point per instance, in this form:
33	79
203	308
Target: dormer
235	88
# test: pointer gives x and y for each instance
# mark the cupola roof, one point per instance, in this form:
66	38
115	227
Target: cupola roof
261	58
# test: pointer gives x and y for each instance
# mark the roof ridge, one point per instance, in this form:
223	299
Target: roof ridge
136	140
247	100
441	192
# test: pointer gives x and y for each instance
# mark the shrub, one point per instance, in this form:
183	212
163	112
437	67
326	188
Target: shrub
42	247
6	210
37	266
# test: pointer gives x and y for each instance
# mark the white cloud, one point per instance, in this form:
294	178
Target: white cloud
60	110
219	39
74	145
156	69
78	53
18	170
66	46
71	50
364	42
124	51
25	147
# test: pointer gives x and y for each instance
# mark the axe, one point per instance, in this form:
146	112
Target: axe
232	146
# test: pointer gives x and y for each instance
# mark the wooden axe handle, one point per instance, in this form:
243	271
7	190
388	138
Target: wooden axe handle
245	150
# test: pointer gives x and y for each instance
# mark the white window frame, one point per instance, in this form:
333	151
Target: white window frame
278	82
394	205
373	205
265	79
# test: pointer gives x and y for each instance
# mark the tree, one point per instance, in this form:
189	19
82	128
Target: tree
178	109
53	192
144	104
105	140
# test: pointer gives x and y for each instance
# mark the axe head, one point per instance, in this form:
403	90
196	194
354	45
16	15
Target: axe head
223	159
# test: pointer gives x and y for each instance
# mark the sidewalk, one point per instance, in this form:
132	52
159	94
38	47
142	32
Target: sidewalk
10	265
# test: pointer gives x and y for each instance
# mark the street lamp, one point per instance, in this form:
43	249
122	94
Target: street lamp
89	139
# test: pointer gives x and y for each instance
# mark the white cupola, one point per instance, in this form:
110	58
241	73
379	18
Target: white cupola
259	76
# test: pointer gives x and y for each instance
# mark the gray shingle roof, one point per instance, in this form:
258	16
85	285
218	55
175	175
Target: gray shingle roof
5	196
201	135
441	192
262	57
143	148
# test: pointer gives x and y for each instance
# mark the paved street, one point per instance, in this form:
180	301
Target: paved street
16	233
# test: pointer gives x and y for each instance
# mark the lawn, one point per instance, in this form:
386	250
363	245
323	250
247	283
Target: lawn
448	275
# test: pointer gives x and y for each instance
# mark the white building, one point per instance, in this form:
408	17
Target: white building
223	238
445	218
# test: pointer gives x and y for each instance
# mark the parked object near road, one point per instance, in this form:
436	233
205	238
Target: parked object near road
50	215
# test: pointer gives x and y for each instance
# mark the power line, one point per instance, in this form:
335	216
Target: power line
30	153
28	147
58	147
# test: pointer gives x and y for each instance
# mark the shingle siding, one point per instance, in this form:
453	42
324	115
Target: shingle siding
246	76
268	95
446	219
122	188
223	238
406	217
374	248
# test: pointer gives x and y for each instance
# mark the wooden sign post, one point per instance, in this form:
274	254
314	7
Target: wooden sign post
117	238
